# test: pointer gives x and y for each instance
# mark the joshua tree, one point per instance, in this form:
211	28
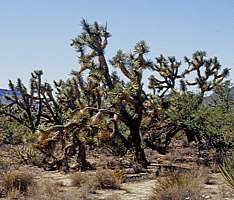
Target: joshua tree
167	69
39	105
95	100
120	101
207	72
126	100
34	105
179	107
25	106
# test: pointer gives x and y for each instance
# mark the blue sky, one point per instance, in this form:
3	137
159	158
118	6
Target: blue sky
37	34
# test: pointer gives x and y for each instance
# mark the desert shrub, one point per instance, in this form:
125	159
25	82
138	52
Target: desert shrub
87	190
227	170
108	162
113	197
103	179
14	194
87	184
177	187
52	191
47	190
17	180
79	178
13	132
27	154
107	179
119	174
4	165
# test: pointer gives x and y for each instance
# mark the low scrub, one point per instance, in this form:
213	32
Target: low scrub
4	165
79	178
177	187
102	179
107	179
17	180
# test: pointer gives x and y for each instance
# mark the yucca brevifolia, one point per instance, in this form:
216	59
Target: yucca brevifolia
113	96
68	94
180	105
129	100
207	72
163	82
25	105
72	145
33	105
53	112
96	39
59	106
168	71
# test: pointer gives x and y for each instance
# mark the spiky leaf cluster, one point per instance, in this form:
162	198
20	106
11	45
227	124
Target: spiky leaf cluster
208	72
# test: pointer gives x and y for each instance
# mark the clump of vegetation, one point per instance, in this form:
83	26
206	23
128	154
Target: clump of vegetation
89	183
17	180
48	190
113	197
107	179
102	179
28	154
79	178
177	187
227	169
4	165
102	109
13	132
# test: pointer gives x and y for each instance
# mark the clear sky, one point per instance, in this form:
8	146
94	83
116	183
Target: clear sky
37	34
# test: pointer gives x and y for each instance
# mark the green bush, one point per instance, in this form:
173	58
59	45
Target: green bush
13	133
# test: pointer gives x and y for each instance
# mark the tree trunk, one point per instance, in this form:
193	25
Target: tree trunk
81	158
138	150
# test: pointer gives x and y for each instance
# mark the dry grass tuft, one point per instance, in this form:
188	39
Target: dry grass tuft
48	190
79	178
113	197
177	187
227	170
4	165
88	184
103	179
107	179
17	181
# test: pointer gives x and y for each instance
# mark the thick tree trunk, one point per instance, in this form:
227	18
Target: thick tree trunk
83	164
137	145
81	157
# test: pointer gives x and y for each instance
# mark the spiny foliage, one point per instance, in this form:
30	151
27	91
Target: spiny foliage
207	71
95	106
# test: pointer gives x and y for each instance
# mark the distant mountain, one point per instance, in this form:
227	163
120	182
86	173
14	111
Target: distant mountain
232	92
209	99
3	93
